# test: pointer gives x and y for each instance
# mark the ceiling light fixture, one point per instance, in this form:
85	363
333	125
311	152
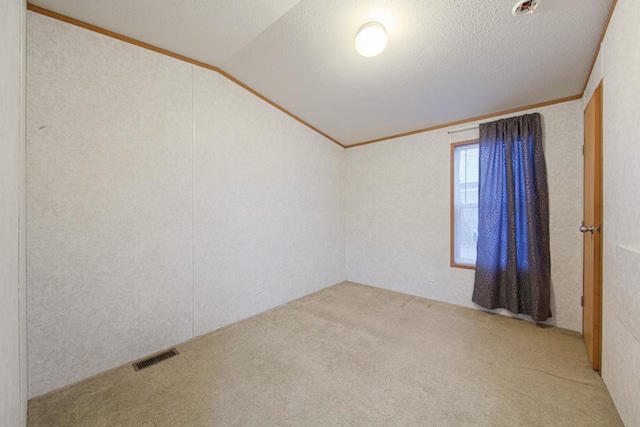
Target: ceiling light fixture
371	39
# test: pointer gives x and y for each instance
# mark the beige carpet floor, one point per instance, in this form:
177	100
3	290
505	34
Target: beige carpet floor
351	355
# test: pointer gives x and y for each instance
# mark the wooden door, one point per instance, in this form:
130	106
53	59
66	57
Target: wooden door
592	229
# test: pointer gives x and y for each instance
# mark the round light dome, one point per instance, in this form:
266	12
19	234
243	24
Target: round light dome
371	39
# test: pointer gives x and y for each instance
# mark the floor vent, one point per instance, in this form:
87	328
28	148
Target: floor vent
155	359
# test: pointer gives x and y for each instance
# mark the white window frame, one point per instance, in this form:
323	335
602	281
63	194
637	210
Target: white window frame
457	206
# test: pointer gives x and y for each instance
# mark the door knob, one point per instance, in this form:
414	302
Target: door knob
584	229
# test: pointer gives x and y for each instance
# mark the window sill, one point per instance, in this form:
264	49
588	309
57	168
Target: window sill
463	266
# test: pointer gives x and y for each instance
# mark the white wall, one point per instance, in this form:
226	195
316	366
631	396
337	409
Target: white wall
269	205
110	269
398	214
619	67
12	355
159	194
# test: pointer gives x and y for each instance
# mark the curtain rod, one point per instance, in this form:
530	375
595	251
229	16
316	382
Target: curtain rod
464	129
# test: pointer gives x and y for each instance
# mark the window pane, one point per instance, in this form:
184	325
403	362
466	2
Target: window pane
468	173
465	181
467	234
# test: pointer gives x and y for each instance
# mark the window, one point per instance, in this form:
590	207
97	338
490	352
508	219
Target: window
464	203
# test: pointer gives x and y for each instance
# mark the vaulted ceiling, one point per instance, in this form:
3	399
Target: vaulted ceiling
446	60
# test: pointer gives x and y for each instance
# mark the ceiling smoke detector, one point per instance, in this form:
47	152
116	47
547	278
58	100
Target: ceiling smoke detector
525	7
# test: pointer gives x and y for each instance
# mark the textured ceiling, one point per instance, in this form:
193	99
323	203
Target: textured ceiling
210	31
445	61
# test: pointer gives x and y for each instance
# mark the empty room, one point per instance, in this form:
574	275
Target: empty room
319	213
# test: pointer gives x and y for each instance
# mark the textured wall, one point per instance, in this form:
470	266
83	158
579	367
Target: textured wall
398	214
620	70
11	405
122	176
110	203
269	211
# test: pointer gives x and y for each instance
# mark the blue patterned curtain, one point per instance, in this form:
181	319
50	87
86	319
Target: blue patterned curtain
513	267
